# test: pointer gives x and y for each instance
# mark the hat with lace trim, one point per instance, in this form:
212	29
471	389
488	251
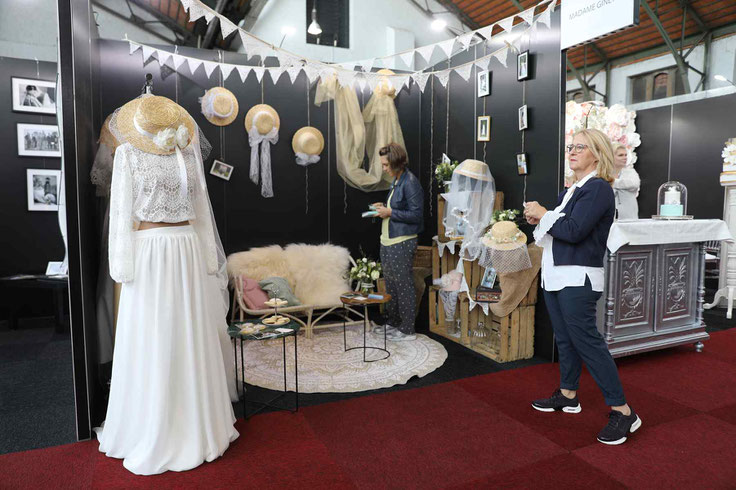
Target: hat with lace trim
504	235
154	124
308	140
219	106
264	117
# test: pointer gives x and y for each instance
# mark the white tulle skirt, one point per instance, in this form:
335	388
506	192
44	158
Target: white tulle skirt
169	406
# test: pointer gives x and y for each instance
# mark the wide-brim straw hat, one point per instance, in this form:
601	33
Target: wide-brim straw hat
264	117
308	140
475	169
505	235
384	85
219	106
153	113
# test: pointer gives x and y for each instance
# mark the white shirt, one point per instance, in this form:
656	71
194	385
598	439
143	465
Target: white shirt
557	277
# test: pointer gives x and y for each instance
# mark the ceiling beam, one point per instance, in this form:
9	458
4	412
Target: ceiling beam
137	21
685	4
581	80
213	27
517	5
681	66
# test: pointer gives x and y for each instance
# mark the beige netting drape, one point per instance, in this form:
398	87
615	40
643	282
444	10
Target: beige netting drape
360	134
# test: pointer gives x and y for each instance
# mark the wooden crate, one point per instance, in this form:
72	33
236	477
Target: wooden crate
423	257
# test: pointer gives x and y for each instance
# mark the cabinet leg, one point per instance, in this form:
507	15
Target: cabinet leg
699	347
730	301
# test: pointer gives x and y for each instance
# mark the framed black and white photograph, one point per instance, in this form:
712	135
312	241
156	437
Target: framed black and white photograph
489	278
522	66
43	189
221	170
523	118
38	140
521	164
38	96
484	83
484	128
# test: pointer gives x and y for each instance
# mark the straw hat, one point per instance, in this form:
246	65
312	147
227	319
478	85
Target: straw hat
384	85
504	235
219	106
152	114
475	169
308	140
264	117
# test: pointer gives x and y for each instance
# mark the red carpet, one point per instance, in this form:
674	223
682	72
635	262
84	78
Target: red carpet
477	432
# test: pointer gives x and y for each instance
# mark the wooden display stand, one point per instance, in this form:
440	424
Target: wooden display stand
511	337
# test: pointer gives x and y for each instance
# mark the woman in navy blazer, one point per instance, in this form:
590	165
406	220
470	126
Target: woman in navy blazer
574	237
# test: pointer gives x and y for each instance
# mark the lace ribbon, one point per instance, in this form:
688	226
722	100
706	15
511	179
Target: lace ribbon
264	166
304	159
210	111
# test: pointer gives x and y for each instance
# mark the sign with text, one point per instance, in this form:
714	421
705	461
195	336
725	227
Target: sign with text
586	20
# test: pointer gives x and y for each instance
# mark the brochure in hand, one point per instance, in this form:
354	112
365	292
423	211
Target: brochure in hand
372	213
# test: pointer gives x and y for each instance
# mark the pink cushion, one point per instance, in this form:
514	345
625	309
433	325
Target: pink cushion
253	296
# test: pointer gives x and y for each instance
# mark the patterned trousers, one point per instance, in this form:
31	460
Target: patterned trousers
397	261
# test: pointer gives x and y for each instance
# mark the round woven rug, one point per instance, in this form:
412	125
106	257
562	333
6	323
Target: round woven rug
324	366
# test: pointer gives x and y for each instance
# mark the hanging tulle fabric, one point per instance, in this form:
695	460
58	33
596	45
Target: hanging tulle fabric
260	158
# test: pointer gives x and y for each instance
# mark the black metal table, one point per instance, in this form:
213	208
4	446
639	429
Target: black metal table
350	301
59	286
235	335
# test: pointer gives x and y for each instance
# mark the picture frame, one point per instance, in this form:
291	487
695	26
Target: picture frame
522	163
489	278
43	189
221	170
484	128
484	83
523	118
38	140
32	95
522	66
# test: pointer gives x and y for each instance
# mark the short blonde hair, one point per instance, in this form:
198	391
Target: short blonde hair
600	145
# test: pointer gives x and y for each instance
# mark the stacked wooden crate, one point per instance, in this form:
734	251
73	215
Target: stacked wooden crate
508	338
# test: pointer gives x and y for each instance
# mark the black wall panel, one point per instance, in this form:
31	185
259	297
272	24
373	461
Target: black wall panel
653	155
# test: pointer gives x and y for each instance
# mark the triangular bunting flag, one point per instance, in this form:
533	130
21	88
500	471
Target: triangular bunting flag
276	73
447	46
209	67
259	71
243	72
361	81
399	82
443	77
147	53
506	24
226	27
466	39
345	78
193	64
464	71
311	72
186	4
326	73
163	57
348	65
502	56
195	12
178	61
408	59
546	16
482	63
294	72
134	47
421	80
527	15
426	52
226	70
372	80
208	15
367	64
486	32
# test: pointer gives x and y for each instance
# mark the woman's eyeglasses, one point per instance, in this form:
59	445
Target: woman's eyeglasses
575	148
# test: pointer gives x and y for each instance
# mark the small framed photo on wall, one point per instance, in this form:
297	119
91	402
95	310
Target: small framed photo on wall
484	128
484	83
38	140
523	118
521	163
221	170
43	189
37	96
522	66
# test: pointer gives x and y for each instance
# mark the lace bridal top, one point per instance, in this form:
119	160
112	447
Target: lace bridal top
157	189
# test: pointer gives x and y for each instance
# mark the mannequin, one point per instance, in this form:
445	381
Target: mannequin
169	406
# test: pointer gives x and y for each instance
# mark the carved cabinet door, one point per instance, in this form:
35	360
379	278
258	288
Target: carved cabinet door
677	286
634	285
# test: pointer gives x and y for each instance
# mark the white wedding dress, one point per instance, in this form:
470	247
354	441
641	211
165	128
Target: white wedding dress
172	379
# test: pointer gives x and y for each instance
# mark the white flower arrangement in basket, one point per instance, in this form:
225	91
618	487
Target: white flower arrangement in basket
729	153
365	273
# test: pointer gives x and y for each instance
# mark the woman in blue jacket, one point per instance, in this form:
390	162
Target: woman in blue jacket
574	237
403	220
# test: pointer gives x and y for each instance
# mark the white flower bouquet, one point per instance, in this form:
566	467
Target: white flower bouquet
365	273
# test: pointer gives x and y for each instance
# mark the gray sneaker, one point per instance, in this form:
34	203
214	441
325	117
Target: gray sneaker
397	336
378	329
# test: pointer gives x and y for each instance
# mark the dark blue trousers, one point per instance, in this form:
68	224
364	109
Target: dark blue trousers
572	311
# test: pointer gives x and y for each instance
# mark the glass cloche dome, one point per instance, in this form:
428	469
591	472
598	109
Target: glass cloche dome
672	201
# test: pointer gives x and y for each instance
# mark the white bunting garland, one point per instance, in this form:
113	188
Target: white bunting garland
226	69
259	71
209	67
243	71
464	71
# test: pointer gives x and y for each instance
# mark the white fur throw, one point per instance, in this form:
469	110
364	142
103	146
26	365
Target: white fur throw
316	273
